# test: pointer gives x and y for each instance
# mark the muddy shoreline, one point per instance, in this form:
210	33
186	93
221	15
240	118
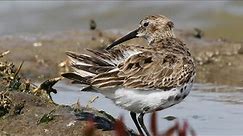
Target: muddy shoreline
218	61
26	109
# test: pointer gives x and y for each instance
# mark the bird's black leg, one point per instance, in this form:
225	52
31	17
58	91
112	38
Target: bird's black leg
134	118
140	120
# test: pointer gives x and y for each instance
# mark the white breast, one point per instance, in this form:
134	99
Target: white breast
148	100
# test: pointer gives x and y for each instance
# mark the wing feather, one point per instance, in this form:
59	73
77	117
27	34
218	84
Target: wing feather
145	70
162	67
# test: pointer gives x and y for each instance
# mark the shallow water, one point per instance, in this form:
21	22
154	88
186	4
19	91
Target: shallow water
216	18
209	113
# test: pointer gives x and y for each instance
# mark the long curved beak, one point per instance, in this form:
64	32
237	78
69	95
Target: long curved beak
127	37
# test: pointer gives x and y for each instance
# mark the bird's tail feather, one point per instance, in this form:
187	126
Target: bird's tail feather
86	65
77	78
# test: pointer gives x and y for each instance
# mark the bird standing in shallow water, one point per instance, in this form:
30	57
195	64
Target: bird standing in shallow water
139	78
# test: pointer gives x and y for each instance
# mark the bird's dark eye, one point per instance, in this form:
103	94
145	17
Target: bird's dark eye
170	24
146	24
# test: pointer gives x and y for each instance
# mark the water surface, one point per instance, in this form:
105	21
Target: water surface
216	18
209	113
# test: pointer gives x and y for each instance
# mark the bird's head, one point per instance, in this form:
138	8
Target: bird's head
152	28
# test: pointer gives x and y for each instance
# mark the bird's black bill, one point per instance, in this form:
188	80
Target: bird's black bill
129	36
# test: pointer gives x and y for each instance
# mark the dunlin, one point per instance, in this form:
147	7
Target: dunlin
139	78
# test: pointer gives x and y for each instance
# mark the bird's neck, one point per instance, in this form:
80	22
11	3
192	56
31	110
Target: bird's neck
160	36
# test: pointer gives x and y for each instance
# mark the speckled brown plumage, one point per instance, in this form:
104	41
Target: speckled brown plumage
165	65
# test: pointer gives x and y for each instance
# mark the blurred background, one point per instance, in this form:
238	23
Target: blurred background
215	18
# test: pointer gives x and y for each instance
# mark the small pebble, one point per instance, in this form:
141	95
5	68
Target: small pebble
240	51
37	44
71	123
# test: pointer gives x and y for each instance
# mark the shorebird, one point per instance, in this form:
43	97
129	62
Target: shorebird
139	78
